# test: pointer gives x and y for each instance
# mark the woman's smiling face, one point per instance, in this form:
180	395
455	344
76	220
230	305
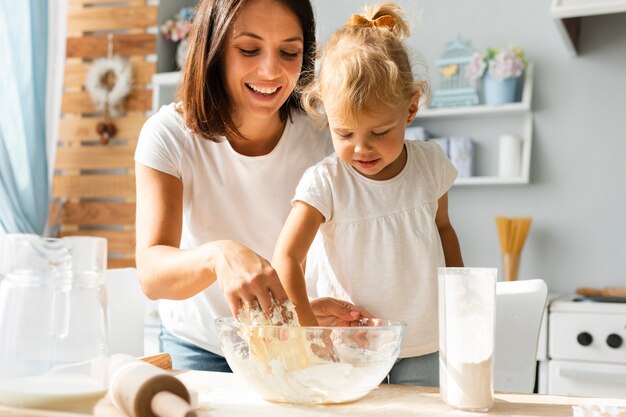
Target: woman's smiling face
262	59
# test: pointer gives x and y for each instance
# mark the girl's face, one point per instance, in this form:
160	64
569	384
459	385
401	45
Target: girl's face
262	59
375	146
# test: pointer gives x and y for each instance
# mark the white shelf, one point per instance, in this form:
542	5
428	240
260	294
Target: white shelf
164	86
522	108
491	181
524	178
166	78
567	15
479	110
578	8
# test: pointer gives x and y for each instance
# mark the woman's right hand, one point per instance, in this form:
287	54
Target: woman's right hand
245	277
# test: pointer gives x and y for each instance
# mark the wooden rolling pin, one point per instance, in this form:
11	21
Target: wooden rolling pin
144	390
603	292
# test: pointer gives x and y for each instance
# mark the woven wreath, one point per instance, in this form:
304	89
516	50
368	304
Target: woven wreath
108	82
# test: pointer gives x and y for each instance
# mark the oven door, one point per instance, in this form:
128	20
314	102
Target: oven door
586	379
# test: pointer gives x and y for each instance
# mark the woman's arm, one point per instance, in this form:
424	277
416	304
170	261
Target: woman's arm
166	271
449	240
290	254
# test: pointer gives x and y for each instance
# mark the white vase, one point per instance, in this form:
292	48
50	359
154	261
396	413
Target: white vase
181	52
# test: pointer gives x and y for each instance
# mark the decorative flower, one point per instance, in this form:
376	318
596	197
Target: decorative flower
108	82
177	28
476	68
500	63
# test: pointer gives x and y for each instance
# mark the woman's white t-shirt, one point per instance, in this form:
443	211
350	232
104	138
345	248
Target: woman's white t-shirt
226	195
379	246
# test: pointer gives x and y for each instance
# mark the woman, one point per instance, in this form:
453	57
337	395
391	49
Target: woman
216	171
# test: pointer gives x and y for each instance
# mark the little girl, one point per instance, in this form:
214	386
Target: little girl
380	202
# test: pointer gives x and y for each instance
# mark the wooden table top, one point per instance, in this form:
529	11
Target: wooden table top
226	395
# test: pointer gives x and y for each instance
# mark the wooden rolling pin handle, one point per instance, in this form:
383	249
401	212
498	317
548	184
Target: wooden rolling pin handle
135	384
166	404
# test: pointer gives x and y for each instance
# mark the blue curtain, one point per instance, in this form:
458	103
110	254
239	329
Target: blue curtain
23	162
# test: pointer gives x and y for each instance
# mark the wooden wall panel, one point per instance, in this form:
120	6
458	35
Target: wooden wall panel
123	45
96	157
75	73
94	213
118	241
80	102
101	2
110	18
94	184
73	130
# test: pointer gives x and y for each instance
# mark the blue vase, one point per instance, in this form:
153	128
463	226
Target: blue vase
499	91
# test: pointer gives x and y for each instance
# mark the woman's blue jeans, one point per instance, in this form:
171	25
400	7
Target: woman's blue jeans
188	356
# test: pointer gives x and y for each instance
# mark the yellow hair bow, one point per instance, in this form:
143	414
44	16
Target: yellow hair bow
385	21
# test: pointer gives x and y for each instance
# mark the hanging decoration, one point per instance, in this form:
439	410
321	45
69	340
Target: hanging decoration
109	81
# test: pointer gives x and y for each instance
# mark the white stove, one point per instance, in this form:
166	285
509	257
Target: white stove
587	347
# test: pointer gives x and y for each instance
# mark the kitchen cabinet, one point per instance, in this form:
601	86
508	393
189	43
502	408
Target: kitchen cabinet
568	14
485	124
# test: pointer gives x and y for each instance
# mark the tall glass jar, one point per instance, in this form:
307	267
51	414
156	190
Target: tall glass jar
53	322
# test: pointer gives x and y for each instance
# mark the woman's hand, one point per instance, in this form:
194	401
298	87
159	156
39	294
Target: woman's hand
338	313
246	278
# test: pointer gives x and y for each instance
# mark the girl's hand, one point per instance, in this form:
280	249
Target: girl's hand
246	278
338	313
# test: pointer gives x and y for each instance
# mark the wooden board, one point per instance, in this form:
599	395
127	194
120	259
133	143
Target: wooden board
80	102
110	18
118	241
95	157
75	73
100	2
93	213
94	184
225	395
123	45
74	130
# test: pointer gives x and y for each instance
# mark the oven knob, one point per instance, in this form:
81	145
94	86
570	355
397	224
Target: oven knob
614	340
584	338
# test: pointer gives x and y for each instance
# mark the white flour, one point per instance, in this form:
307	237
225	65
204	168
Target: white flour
467	385
319	383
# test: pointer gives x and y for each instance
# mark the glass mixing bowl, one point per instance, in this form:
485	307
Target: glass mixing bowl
311	365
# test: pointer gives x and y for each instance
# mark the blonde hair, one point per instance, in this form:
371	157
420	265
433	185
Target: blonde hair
364	65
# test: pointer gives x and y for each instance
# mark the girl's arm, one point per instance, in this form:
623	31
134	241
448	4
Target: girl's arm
290	255
449	240
166	271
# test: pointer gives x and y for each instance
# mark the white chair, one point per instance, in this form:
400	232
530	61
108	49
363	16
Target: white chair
519	310
127	307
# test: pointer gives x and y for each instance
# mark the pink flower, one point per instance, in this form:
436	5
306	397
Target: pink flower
506	64
476	67
178	28
500	63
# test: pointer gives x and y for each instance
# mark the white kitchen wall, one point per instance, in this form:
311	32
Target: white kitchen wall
577	194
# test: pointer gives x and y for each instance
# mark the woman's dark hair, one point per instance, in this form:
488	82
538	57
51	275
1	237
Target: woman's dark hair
205	104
